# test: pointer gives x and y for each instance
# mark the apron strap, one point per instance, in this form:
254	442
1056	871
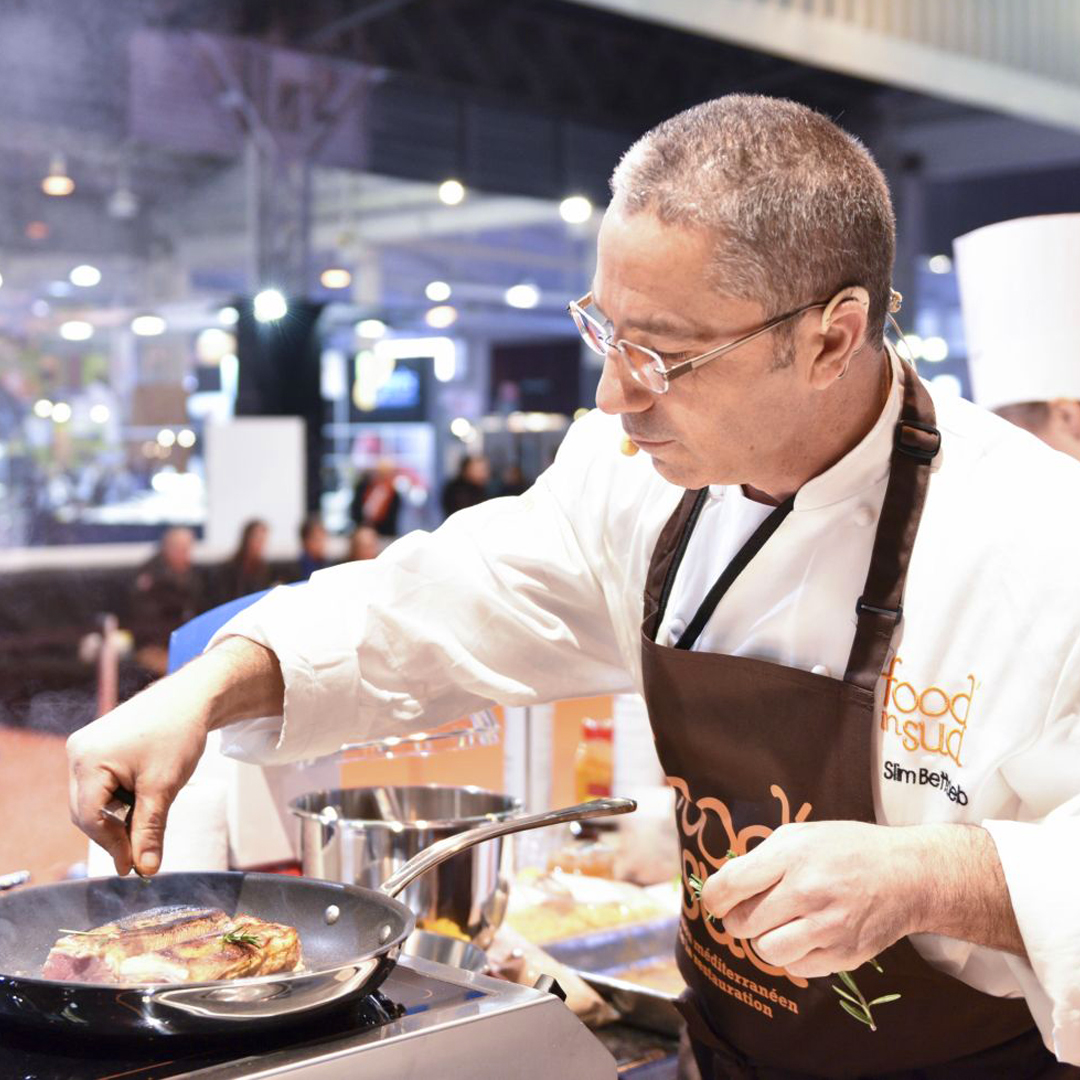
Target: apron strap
916	442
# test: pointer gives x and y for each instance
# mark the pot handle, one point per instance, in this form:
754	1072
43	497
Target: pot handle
449	846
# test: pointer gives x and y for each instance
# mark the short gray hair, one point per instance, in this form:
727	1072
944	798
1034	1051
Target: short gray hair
799	207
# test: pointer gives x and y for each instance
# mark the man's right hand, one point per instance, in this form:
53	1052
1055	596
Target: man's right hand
151	744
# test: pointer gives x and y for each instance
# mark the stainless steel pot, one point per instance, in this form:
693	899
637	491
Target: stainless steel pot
361	836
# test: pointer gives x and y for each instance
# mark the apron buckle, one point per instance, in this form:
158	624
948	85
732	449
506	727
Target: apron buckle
920	449
896	614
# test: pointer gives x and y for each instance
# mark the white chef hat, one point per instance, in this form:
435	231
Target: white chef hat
1020	293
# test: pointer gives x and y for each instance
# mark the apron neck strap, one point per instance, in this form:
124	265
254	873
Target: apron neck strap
879	610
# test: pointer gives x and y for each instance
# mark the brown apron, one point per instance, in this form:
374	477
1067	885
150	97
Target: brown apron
749	745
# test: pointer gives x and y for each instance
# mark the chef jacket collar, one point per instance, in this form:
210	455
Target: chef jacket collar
864	466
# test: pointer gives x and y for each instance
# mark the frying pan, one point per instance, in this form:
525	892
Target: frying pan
351	938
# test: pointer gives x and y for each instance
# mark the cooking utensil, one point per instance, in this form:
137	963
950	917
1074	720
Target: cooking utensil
363	835
351	939
445	950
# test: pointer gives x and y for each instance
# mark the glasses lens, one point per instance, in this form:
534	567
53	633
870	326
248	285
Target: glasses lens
589	330
644	366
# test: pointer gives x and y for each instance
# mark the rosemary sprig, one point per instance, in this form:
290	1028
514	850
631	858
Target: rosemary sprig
239	937
853	1003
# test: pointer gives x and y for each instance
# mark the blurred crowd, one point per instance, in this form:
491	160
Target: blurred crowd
171	588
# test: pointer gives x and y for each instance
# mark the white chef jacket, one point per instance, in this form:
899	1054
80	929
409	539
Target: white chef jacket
539	598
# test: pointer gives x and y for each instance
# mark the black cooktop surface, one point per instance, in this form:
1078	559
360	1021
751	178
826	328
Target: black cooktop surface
29	1055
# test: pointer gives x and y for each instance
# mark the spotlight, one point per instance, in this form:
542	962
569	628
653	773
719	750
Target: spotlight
85	276
372	329
269	306
100	414
438	292
186	438
148	325
451	192
166	438
439	318
575	209
76	330
43	407
939	264
228	316
61	412
523	296
335	277
57	182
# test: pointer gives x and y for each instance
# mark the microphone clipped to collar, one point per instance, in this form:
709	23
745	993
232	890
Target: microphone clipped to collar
854	293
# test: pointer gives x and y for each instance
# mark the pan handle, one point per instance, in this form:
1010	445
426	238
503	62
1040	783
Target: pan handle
446	848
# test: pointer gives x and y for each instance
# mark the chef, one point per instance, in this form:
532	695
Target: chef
852	610
1019	285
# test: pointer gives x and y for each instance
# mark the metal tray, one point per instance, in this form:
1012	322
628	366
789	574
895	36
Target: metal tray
597	956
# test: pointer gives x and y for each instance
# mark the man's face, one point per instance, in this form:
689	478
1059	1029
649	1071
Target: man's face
177	548
728	422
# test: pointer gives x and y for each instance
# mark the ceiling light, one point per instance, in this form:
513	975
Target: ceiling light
122	204
166	437
85	276
371	329
100	414
213	343
58	182
438	292
451	192
148	325
460	427
575	209
1	281
43	407
186	438
336	277
939	264
228	316
523	296
76	330
269	305
935	349
442	316
61	412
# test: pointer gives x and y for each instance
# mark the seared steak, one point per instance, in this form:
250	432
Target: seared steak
172	945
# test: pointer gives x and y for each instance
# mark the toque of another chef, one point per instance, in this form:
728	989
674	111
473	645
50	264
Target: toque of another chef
1020	294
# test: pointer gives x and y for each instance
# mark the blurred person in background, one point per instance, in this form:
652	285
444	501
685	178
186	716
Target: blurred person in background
469	487
377	500
1019	281
312	547
512	481
247	571
169	590
364	543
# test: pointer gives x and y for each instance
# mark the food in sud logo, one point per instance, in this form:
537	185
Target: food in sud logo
934	720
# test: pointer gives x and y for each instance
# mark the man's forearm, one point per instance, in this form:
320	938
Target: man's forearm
242	679
963	893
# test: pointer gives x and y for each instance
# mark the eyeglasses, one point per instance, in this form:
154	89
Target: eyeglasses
646	365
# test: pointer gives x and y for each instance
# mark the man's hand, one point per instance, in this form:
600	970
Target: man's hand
820	897
152	743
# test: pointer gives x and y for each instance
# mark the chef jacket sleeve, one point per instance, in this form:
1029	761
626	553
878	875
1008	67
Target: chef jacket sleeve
1040	854
501	604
